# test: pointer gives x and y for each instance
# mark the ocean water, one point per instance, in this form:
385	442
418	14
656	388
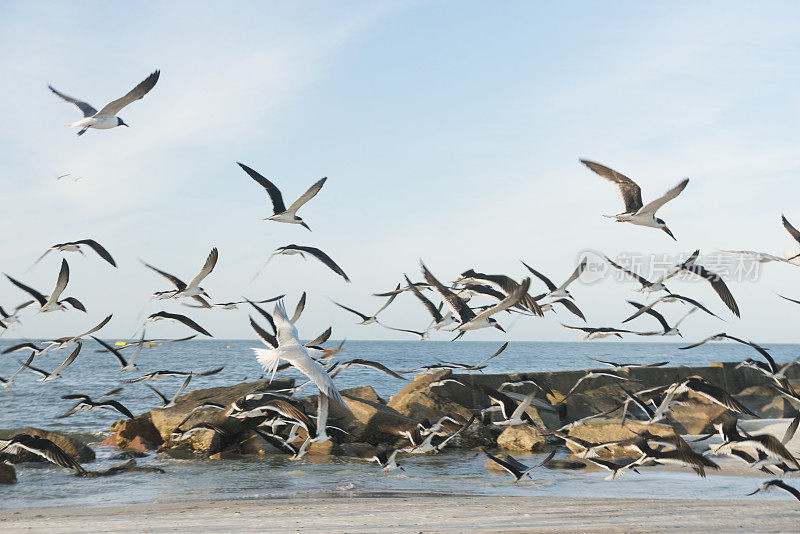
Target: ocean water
32	403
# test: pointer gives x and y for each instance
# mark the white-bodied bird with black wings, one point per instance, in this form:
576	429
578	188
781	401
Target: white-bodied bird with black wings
280	212
636	212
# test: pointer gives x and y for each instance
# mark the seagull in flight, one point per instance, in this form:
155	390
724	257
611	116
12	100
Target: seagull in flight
106	118
635	211
280	212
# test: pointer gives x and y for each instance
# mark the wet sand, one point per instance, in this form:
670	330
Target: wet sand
419	514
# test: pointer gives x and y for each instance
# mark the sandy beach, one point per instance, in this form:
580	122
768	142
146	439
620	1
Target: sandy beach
419	514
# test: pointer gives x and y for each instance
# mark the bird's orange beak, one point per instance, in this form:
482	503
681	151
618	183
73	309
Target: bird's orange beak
305	225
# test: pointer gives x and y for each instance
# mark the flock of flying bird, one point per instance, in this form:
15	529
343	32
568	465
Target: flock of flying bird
278	418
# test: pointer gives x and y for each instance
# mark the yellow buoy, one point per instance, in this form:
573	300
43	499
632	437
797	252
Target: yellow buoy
121	343
229	347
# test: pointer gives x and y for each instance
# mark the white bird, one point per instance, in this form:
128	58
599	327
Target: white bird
106	118
292	350
280	212
635	211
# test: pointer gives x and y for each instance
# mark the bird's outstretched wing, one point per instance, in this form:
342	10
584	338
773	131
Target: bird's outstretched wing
272	190
653	206
305	197
85	108
628	189
113	107
99	249
208	266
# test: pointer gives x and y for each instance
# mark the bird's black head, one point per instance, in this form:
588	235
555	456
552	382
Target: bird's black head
120	122
496	324
663	226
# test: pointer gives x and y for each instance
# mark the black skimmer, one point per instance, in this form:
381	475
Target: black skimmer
646	285
280	212
6	382
428	445
516	468
713	393
86	403
365	363
513	412
47	377
480	364
777	483
759	257
75	246
726	426
468	320
635	211
500	282
158	375
560	291
106	118
682	454
165	402
283	444
672	297
369	319
125	365
235	304
423	335
41	447
598	332
624	367
718	337
51	302
192	289
795	235
313	252
439	320
568	304
592	375
668	330
162	315
616	469
717	284
9	319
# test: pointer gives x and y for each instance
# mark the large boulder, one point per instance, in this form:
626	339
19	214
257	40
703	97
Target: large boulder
131	433
694	418
766	402
521	438
72	446
8	475
417	401
370	417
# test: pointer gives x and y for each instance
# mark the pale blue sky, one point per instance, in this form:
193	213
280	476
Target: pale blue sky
450	131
